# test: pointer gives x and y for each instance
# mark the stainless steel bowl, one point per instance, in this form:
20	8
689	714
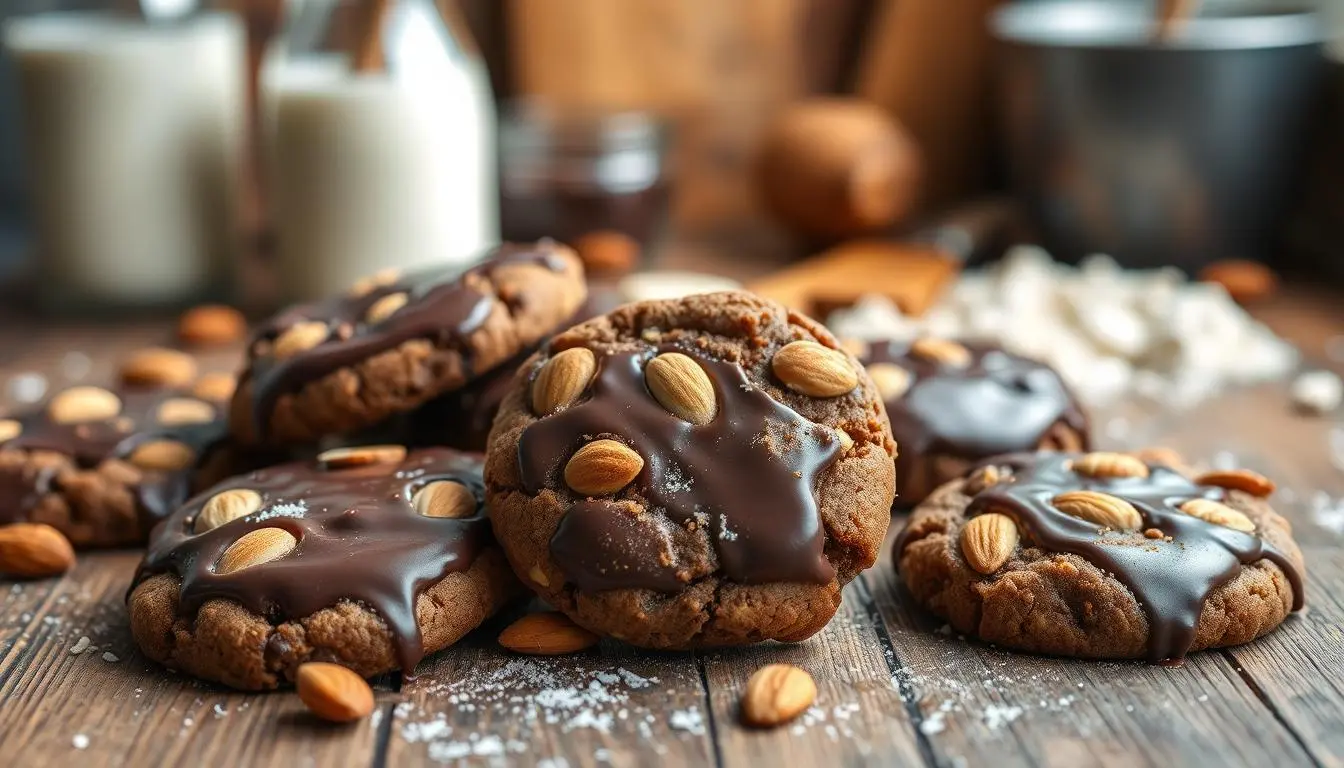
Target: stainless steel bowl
1177	152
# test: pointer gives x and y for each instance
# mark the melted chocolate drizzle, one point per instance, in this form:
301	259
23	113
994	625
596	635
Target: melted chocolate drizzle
1170	579
445	304
360	539
1000	403
746	477
91	443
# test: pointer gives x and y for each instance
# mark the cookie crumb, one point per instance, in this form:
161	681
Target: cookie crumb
110	657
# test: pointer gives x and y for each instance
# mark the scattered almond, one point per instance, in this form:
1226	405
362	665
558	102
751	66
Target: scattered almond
602	467
983	478
1101	508
177	411
256	548
562	379
1245	281
1243	480
81	404
1107	464
215	387
987	541
681	386
943	351
538	576
385	307
379	279
211	325
855	347
445	498
9	429
1153	533
225	507
163	455
546	634
344	458
776	694
892	380
1211	511
809	368
606	251
159	367
846	442
1168	457
333	692
34	550
299	337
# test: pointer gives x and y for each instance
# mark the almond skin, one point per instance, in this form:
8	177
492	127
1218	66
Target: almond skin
34	550
444	498
1106	464
344	458
215	387
1100	508
892	380
225	507
177	411
80	404
163	455
211	325
988	541
385	307
9	429
562	379
942	351
776	694
681	386
809	368
1211	511
256	548
159	367
1244	480
602	467
333	692
546	634
299	337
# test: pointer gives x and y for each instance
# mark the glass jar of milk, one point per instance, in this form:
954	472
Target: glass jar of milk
380	142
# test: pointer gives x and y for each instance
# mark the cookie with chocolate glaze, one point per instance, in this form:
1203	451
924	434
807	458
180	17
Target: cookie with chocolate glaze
104	466
396	341
954	404
706	471
368	557
1102	556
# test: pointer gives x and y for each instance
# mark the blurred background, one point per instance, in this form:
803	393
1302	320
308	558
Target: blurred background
160	152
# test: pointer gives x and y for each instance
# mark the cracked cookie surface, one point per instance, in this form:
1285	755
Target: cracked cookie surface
700	472
369	557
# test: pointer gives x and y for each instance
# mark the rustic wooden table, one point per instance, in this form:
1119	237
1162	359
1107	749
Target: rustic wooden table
896	688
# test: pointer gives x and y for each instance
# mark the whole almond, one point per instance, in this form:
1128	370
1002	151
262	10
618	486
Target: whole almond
892	381
379	279
344	458
562	379
215	387
333	692
776	694
211	325
1211	511
942	351
1107	464
158	367
256	548
80	404
1244	480
299	337
1101	508
809	368
385	307
163	455
602	467
177	411
225	507
445	498
546	634
681	386
9	429
1157	454
987	541
34	550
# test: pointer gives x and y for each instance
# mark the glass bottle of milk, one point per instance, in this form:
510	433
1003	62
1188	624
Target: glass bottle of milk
380	142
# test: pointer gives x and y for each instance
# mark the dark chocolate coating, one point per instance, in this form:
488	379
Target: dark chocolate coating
360	539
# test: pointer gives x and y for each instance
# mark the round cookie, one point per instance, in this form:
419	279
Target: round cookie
1102	555
368	557
396	341
954	404
104	466
698	472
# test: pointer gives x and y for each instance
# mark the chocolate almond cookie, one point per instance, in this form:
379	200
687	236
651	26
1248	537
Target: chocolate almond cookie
104	466
368	557
954	404
396	341
1102	555
698	472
